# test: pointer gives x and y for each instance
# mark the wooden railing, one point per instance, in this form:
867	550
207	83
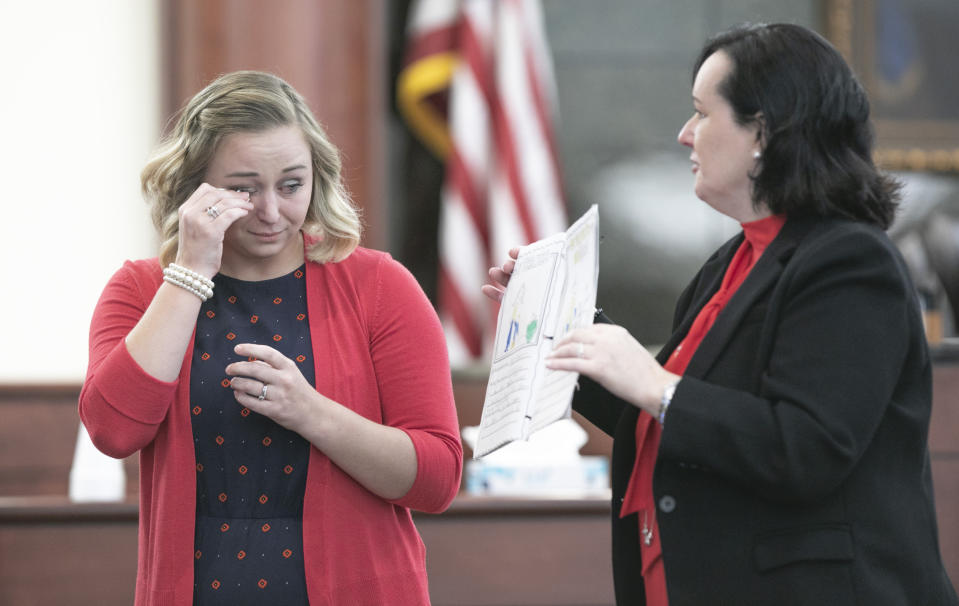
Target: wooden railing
481	552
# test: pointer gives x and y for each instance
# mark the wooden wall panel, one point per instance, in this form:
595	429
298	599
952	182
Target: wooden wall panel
332	51
38	436
481	552
54	553
503	552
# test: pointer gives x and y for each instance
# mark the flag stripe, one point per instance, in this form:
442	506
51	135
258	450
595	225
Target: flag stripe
502	186
459	177
544	115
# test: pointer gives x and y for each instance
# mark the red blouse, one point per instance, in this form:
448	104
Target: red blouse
639	493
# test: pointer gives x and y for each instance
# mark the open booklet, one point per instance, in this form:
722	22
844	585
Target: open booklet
551	292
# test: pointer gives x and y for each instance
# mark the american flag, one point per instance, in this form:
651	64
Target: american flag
477	87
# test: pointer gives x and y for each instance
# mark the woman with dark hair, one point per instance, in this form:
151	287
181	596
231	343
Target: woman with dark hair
774	451
288	391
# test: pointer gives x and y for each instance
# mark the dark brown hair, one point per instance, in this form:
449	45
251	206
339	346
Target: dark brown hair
814	123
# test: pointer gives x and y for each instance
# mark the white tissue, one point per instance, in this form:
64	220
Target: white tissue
94	476
548	464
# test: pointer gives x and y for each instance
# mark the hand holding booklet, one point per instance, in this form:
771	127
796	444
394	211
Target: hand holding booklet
551	292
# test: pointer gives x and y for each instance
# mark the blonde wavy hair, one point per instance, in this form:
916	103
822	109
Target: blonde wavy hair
248	101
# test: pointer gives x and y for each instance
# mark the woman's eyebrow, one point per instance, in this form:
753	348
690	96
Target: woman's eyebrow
256	174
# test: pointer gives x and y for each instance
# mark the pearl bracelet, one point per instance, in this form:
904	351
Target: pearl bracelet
188	279
189	272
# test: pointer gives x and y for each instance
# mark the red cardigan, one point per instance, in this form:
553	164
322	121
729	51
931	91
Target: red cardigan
378	348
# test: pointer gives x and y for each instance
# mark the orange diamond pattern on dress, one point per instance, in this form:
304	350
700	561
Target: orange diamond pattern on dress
255	469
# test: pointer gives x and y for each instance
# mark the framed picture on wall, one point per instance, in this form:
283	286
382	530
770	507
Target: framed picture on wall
904	52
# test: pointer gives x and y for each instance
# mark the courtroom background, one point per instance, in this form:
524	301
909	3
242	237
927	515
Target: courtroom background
90	86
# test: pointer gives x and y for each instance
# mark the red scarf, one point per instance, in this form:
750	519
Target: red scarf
639	492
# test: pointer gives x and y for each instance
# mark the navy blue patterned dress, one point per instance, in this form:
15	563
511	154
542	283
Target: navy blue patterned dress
250	472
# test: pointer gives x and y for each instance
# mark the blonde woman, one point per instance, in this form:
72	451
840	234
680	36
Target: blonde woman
288	391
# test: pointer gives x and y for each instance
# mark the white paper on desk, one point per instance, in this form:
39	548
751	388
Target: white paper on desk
552	291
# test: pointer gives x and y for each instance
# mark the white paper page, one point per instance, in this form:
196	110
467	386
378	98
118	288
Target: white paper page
552	291
516	348
575	308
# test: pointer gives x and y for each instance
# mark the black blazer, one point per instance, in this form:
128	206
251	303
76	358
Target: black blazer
793	466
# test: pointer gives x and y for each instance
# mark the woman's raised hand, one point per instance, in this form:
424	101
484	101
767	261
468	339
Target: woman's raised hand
500	277
204	219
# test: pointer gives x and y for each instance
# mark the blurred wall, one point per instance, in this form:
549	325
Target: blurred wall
623	72
85	102
623	78
80	111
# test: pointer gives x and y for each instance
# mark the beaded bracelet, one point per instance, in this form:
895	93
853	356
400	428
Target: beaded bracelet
188	279
192	274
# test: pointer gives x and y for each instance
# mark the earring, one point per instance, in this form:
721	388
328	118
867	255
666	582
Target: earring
756	155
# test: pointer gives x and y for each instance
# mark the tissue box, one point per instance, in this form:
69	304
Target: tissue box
585	476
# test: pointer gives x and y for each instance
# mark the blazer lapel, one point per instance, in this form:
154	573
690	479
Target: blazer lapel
763	276
712	277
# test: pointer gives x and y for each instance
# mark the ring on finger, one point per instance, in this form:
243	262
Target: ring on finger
212	211
262	395
580	350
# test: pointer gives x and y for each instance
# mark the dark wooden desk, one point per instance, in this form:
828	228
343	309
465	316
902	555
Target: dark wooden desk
496	552
53	552
481	552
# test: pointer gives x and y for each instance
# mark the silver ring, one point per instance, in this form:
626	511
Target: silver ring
579	350
262	395
212	211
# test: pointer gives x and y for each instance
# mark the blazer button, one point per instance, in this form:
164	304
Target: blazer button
667	504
